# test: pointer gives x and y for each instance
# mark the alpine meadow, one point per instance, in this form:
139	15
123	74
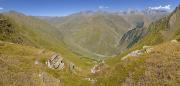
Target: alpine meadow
90	43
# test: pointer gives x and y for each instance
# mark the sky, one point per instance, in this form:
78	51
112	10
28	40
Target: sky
67	7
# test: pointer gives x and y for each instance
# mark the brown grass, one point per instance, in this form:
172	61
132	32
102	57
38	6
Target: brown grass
159	68
162	67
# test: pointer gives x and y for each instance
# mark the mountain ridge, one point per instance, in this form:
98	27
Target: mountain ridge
39	34
111	27
27	44
157	32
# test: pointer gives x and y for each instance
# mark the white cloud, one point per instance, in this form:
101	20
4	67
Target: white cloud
1	8
103	7
166	7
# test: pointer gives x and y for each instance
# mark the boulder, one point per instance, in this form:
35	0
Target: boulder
98	67
174	41
36	62
93	81
134	54
71	66
55	62
148	49
93	70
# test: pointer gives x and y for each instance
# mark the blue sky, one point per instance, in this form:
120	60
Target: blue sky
66	7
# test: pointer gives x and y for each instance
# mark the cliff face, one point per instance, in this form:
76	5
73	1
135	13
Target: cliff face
132	36
165	29
174	23
97	34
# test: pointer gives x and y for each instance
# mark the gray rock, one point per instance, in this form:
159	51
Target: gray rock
55	62
148	49
93	70
36	62
136	53
71	66
174	41
93	81
98	67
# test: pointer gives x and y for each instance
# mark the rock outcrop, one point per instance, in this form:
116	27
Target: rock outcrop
148	49
136	53
132	36
98	67
55	62
174	41
71	66
95	69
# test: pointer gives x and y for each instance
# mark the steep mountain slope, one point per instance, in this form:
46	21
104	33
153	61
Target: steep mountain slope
164	29
25	66
22	64
93	33
131	37
96	34
37	31
158	67
26	30
154	34
25	44
8	33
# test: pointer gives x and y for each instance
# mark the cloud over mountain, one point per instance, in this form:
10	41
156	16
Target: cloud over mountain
166	7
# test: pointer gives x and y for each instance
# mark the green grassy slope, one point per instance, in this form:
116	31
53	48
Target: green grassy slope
165	29
8	33
161	67
17	61
92	34
34	32
162	30
18	68
97	34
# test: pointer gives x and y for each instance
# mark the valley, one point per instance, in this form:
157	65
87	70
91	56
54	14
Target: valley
91	48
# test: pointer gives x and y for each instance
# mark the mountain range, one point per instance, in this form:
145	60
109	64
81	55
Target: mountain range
97	34
90	47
